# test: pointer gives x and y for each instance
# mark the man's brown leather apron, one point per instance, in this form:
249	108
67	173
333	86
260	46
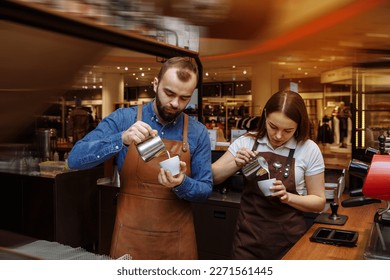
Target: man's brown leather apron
151	221
267	228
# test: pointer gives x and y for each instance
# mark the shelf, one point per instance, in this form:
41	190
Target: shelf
45	18
371	108
222	116
36	15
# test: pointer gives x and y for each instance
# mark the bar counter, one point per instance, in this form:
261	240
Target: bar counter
360	219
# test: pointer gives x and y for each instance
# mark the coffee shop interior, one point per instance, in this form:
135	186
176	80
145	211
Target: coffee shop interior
95	56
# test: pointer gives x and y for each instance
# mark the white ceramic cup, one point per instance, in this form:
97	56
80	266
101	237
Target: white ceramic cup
264	186
172	164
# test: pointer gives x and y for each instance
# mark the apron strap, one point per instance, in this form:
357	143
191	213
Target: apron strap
185	128
139	113
288	164
185	134
255	145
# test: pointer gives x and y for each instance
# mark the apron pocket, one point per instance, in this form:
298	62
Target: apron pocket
144	245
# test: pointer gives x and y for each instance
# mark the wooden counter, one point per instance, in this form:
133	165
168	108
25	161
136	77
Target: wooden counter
360	219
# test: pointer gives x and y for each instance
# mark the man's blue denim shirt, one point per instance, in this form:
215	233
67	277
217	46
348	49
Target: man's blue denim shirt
106	140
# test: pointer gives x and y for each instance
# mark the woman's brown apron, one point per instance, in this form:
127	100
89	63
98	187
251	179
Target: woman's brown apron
151	221
267	228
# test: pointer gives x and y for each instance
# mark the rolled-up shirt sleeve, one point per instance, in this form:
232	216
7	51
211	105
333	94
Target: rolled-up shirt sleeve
99	145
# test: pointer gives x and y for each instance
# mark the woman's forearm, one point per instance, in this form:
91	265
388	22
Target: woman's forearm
307	203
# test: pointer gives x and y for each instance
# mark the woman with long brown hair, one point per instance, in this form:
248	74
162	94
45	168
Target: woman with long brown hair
268	227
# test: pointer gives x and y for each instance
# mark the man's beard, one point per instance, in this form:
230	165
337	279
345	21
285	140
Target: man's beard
167	117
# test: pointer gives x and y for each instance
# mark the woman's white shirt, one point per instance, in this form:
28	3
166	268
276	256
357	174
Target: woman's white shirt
308	158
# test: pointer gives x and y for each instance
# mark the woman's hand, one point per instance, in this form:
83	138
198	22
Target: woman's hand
279	190
244	156
166	179
137	133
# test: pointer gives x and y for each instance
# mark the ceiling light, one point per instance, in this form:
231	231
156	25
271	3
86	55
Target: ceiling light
118	68
377	35
234	66
350	44
207	73
244	72
299	68
126	68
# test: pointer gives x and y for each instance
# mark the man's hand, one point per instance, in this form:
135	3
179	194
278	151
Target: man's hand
166	179
137	133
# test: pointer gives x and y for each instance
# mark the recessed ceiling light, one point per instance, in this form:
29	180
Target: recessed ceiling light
377	35
350	44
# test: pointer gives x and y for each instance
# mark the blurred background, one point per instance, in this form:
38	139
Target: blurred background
105	53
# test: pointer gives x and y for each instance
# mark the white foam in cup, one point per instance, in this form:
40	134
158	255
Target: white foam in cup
172	164
264	186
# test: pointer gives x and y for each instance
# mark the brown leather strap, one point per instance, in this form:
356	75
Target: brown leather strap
185	128
185	134
139	113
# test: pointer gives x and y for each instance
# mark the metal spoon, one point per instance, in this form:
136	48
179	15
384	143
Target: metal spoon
277	165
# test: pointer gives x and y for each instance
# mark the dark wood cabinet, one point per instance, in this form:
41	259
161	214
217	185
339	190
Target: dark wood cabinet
62	209
108	194
215	223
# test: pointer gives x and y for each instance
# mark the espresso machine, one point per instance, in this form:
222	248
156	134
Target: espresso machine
377	186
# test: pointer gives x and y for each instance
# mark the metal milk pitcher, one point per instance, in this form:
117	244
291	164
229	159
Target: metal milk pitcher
151	148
